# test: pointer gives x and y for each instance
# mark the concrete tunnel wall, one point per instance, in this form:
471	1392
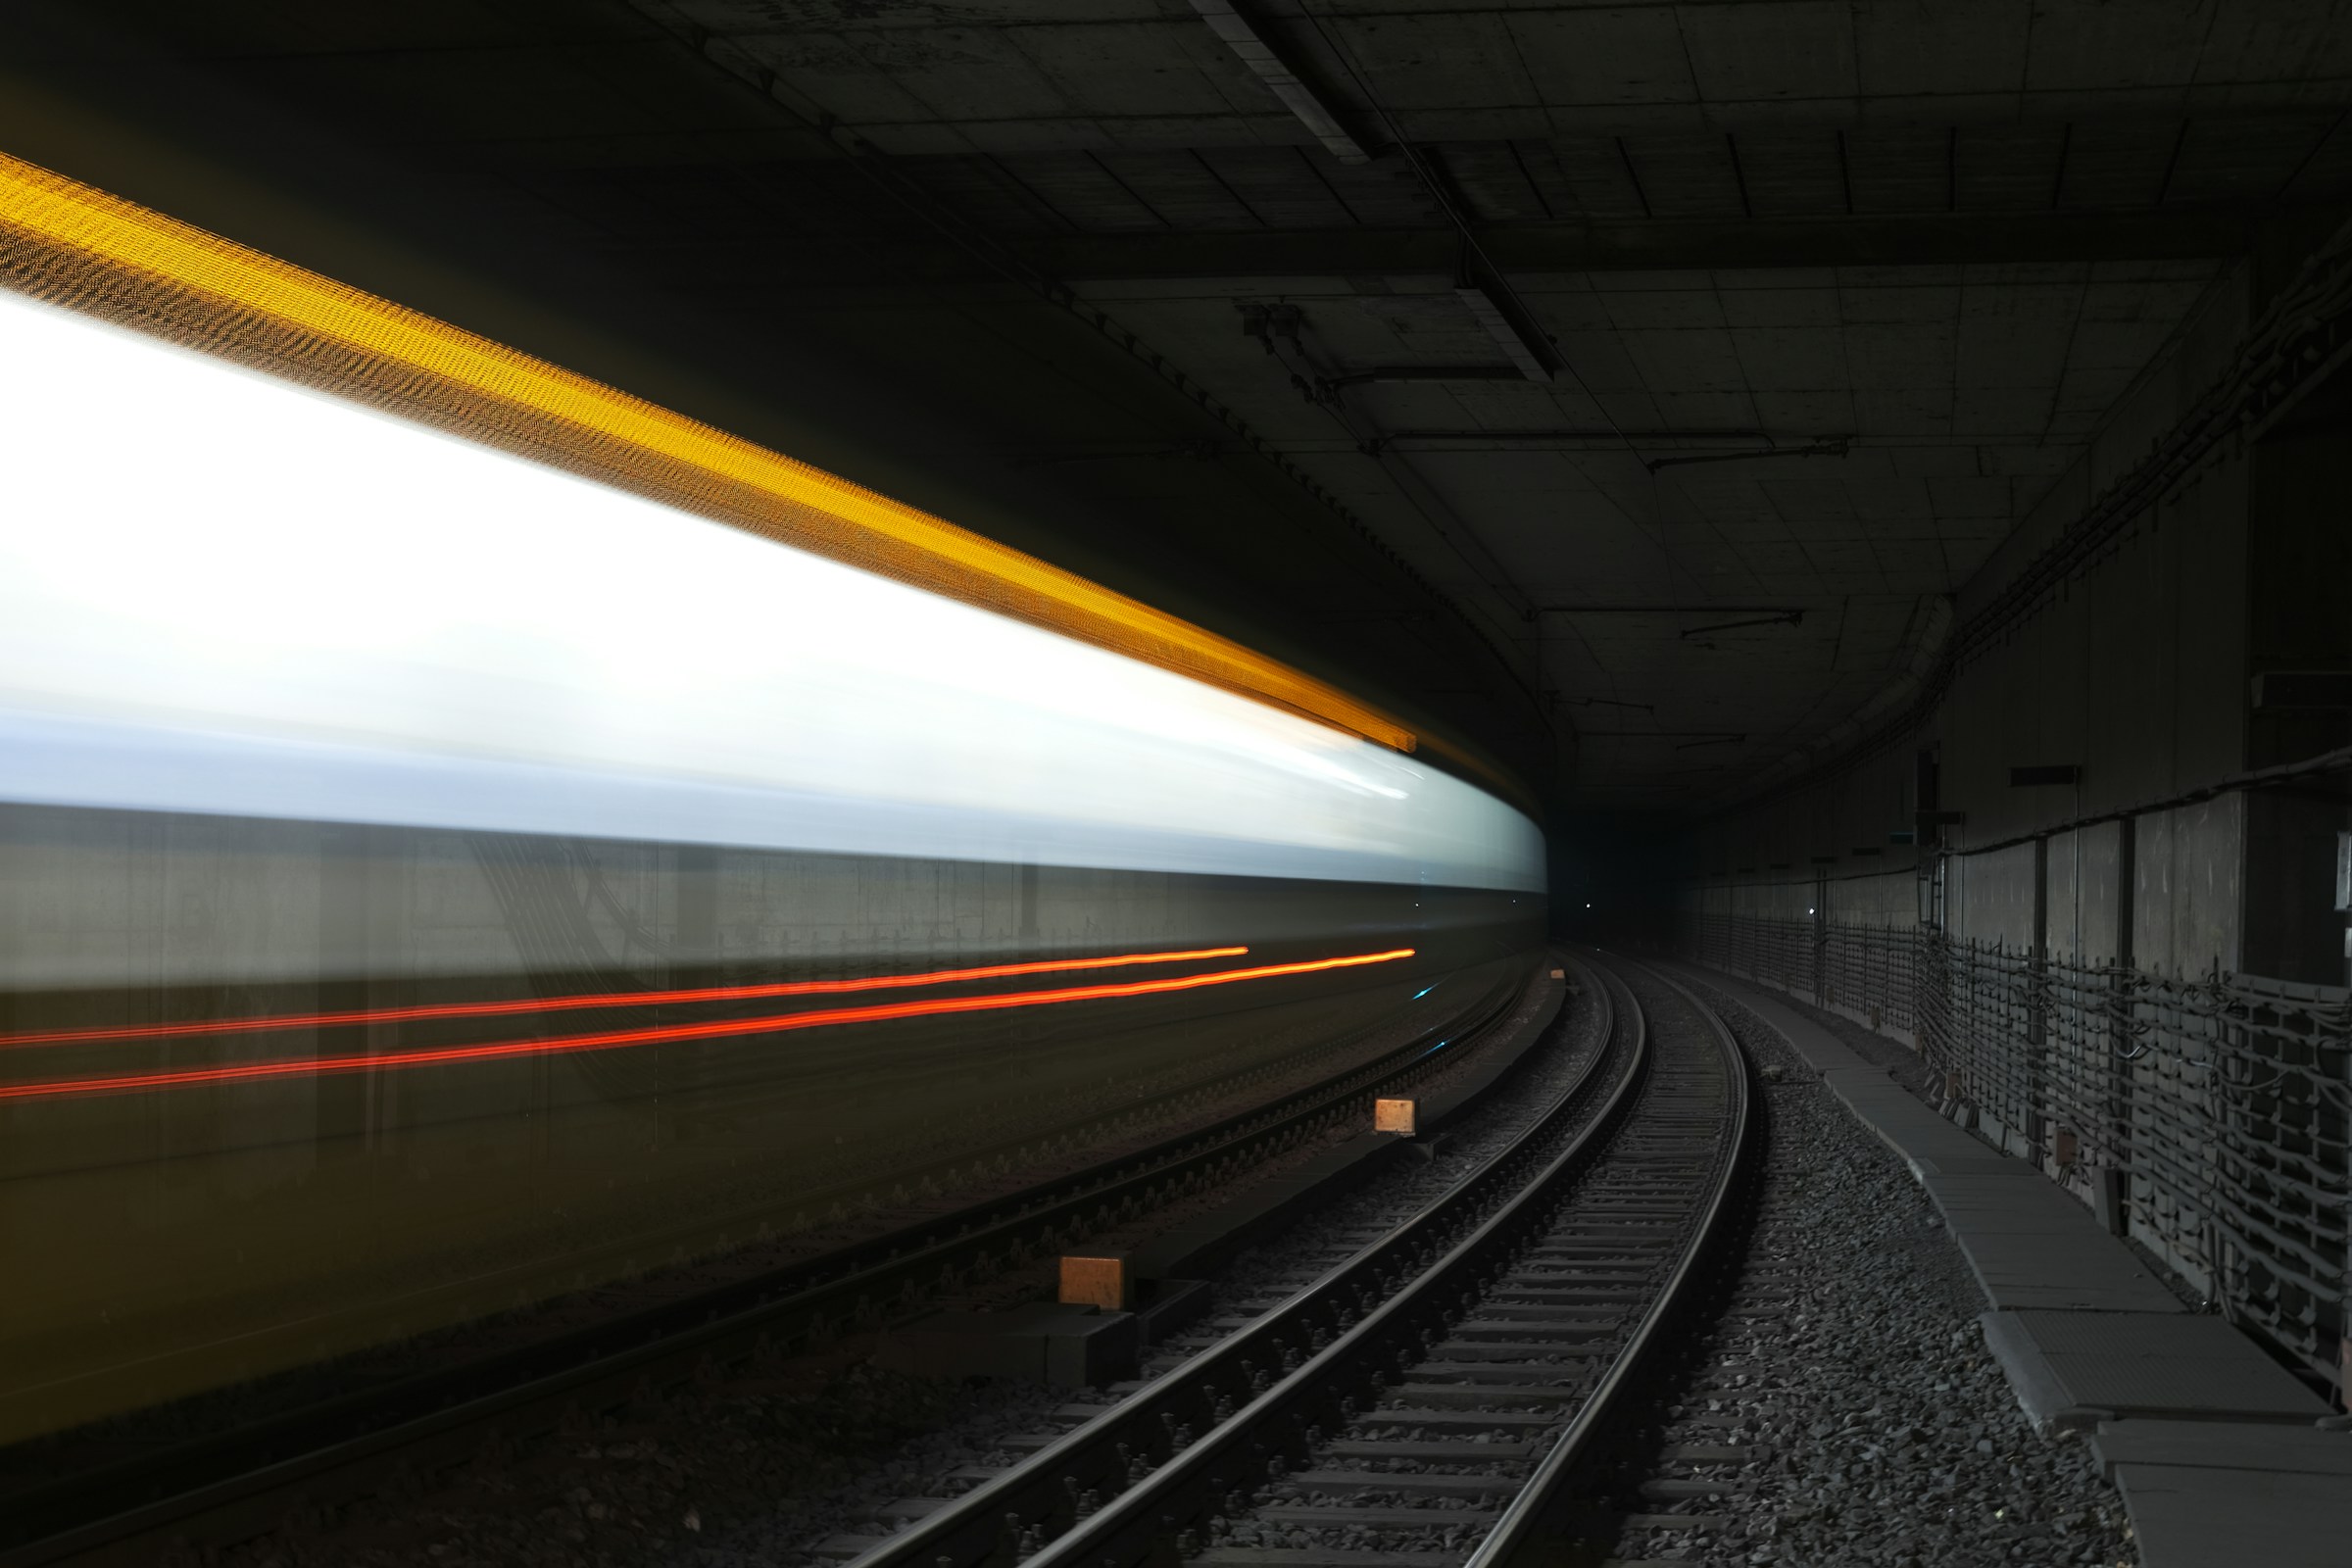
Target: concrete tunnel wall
2057	966
2135	673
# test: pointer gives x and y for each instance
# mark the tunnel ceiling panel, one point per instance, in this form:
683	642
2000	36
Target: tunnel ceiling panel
1828	301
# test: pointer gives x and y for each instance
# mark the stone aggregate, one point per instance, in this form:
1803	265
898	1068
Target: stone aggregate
723	1477
1878	1429
1278	1267
1348	1504
871	1190
1853	1371
1908	1068
774	1467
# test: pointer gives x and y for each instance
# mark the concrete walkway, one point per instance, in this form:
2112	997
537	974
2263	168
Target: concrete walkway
2213	1445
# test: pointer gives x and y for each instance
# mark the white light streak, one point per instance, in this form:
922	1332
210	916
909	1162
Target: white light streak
222	593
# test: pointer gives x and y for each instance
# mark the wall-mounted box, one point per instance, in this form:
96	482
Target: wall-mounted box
2307	689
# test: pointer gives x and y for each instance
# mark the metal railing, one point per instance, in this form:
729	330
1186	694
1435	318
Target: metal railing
2213	1112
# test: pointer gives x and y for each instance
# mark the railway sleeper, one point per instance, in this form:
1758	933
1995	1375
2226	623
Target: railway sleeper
1548	1317
1491	1420
1379	1482
1461	1452
1524	1350
1412	1396
1319	1557
1385	1516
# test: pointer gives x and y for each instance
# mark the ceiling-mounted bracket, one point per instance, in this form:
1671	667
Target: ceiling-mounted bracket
1497	309
1784	617
1602	702
1836	446
1266	320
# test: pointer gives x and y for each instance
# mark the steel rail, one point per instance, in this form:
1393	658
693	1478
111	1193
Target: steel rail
247	1478
1408	1286
1529	1531
1285	1368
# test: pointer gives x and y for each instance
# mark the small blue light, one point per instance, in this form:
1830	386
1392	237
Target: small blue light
1423	991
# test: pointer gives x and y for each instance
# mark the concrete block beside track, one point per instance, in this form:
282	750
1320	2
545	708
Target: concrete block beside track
2213	1444
1200	1248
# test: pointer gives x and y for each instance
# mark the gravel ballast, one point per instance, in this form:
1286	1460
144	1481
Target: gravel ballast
1854	1373
773	1467
1283	1264
1910	1069
1877	1427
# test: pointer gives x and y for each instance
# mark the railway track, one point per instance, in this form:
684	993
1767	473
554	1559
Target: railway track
1432	1400
241	1483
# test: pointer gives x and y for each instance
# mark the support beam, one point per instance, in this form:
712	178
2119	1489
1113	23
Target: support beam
886	269
1257	48
1521	340
1387	373
1630	246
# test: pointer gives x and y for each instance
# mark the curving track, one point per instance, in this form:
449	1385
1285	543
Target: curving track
1430	1401
241	1483
1433	1399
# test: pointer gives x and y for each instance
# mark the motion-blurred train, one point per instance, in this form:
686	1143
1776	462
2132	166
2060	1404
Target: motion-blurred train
465	833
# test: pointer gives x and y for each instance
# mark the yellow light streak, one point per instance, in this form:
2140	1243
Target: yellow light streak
244	289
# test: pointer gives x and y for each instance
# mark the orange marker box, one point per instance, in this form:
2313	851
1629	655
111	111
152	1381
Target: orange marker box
1095	1282
1393	1117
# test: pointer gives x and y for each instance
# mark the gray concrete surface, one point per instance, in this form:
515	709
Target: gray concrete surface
2214	1447
2029	1245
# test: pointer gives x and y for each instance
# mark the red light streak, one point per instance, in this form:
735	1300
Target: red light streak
617	998
618	1039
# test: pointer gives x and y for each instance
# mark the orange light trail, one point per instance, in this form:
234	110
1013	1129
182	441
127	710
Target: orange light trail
616	1038
616	999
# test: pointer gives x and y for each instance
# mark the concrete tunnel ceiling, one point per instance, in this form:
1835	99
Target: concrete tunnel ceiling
1696	354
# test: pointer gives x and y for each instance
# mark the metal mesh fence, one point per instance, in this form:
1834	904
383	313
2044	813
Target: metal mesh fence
1869	968
2216	1110
1863	967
